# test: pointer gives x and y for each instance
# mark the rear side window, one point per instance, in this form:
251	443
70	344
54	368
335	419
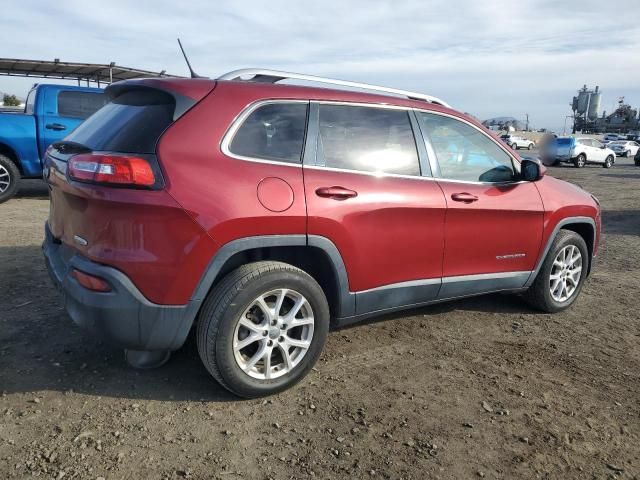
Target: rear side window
130	123
368	139
564	141
79	104
464	153
272	132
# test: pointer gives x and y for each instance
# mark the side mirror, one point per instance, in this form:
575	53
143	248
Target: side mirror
531	170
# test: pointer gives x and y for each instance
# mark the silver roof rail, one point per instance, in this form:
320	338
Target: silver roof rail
273	76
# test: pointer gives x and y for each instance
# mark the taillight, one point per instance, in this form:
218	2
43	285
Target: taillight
112	169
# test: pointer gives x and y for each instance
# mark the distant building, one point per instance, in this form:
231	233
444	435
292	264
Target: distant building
504	123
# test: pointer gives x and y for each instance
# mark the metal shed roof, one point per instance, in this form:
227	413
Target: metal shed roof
93	72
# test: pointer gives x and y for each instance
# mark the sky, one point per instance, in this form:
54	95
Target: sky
488	58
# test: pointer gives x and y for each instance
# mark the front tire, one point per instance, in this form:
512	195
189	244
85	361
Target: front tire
626	154
9	178
609	161
562	274
530	146
580	161
262	328
514	146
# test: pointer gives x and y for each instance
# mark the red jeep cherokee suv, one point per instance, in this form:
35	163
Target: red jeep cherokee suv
263	212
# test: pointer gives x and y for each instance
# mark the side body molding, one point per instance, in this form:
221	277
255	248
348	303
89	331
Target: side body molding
355	306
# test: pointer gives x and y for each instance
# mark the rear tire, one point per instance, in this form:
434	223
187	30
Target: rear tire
540	294
9	178
242	309
608	162
626	154
580	161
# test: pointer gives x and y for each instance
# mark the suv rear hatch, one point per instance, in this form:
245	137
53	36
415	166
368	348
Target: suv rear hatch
107	194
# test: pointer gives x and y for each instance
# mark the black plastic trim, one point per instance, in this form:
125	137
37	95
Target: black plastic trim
123	316
562	223
398	294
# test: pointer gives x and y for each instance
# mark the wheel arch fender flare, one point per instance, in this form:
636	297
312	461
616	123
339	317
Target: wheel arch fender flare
564	223
345	300
11	153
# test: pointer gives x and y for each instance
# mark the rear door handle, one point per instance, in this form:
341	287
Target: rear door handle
337	193
55	126
464	197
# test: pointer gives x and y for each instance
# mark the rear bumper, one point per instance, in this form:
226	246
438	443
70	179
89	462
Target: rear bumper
122	317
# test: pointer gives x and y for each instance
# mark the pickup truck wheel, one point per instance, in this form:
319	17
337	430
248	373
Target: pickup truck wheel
262	328
562	274
9	177
580	161
608	163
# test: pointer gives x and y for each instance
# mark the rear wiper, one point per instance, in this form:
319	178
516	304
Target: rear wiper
67	147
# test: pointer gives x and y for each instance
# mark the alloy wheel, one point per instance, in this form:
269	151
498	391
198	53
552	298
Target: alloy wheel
5	179
565	273
273	334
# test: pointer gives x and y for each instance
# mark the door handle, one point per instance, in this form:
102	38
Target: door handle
336	193
55	126
464	197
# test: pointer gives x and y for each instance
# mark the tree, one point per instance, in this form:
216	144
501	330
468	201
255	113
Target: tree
10	100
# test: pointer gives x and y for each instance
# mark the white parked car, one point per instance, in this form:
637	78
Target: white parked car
624	148
579	151
517	142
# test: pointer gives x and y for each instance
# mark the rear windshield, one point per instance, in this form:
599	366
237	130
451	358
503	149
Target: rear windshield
130	123
564	141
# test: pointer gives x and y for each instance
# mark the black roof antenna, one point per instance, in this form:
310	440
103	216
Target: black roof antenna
193	74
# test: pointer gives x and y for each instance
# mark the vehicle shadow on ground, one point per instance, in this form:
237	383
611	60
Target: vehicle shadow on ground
621	222
503	303
41	349
622	175
35	189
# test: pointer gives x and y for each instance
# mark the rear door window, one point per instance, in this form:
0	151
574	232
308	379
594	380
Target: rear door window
274	131
367	139
131	123
79	104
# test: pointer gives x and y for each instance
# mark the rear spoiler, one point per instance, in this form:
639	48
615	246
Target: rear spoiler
185	92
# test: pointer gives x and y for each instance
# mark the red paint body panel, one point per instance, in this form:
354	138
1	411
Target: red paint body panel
563	199
391	232
145	234
220	192
395	230
476	233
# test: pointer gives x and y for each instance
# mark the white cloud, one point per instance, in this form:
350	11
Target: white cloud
489	58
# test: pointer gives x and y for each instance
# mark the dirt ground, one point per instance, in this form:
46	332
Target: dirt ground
480	388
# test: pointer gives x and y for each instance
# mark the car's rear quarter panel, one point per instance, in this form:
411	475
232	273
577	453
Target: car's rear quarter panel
145	234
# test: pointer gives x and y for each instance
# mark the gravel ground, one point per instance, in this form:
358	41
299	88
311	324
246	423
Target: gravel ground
480	388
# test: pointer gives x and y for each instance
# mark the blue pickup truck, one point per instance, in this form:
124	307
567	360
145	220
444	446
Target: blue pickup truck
51	112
